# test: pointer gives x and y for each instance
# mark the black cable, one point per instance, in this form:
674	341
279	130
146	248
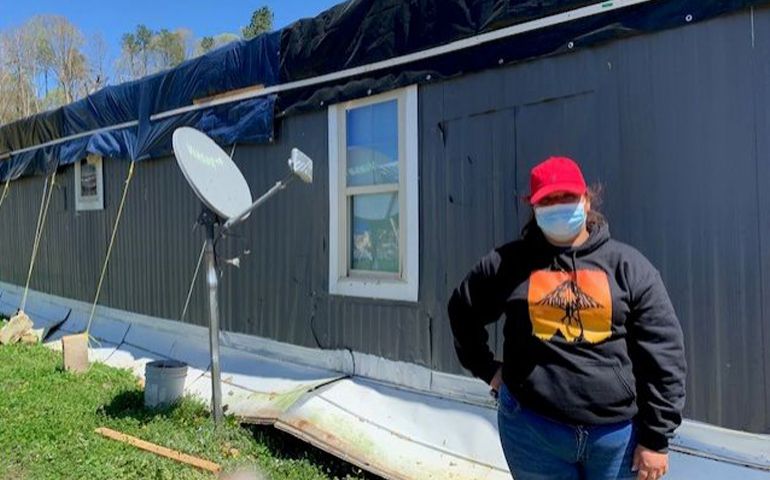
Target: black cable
313	331
312	322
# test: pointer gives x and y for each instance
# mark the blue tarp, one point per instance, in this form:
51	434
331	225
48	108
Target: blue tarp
353	33
236	65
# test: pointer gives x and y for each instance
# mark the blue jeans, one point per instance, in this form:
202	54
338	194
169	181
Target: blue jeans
538	448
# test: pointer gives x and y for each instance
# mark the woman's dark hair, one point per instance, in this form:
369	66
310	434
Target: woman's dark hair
595	217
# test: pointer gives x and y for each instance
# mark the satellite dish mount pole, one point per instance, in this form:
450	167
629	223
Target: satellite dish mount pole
209	220
225	195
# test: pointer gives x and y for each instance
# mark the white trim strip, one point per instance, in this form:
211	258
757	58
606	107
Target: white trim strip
588	11
132	123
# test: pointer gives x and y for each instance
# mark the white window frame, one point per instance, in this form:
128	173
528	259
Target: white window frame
403	286
90	203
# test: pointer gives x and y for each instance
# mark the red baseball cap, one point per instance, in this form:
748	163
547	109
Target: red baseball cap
556	174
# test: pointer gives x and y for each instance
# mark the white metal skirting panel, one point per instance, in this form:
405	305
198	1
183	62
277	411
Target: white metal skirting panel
9	304
399	434
396	431
135	359
406	435
732	446
76	322
691	467
259	389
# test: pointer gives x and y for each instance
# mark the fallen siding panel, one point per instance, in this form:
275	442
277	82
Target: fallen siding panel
396	433
730	446
258	389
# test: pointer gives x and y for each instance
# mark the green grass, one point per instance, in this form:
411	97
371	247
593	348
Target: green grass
48	417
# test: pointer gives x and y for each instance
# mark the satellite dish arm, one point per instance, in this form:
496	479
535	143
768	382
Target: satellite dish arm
301	167
233	221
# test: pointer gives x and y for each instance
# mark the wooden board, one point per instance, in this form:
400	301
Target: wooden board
204	100
75	352
158	450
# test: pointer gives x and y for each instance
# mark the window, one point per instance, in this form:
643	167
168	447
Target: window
89	185
373	197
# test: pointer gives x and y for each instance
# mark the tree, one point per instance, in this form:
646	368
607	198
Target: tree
60	46
44	56
42	66
97	60
169	47
261	21
208	44
126	64
143	43
188	42
18	65
52	99
144	51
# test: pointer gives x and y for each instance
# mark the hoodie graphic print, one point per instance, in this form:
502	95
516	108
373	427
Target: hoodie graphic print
578	306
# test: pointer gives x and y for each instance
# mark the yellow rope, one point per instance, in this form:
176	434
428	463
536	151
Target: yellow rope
192	282
42	215
5	190
112	243
34	242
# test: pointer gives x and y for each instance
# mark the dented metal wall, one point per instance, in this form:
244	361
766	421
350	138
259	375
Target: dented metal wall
673	124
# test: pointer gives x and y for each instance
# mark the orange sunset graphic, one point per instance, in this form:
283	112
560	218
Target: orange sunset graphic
577	304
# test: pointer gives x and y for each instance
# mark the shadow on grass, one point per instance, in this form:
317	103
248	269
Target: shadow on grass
287	447
281	445
130	404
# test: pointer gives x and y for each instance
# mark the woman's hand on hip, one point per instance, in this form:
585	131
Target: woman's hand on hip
497	382
650	464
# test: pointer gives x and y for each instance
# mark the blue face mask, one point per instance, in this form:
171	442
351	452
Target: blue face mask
562	222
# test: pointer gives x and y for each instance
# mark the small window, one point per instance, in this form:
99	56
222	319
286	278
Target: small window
89	185
373	197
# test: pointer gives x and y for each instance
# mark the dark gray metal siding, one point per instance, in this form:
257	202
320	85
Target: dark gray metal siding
281	288
674	125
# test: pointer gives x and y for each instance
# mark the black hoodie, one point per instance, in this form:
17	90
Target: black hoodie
591	337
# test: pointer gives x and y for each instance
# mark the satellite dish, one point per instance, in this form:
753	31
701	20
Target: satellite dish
213	176
221	187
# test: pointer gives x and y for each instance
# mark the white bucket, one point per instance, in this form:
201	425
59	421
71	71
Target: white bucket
163	383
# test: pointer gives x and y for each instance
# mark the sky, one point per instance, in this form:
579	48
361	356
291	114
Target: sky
113	18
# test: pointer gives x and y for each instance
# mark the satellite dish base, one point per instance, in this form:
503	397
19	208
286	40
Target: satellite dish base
209	220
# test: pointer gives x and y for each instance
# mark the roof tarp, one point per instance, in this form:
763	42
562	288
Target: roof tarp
362	32
34	130
352	34
358	32
236	65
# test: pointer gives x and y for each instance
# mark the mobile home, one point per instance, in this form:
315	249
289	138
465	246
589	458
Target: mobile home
423	119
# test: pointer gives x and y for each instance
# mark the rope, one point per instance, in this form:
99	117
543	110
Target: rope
192	282
129	176
45	202
5	190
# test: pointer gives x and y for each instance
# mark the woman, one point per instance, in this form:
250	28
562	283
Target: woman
591	385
